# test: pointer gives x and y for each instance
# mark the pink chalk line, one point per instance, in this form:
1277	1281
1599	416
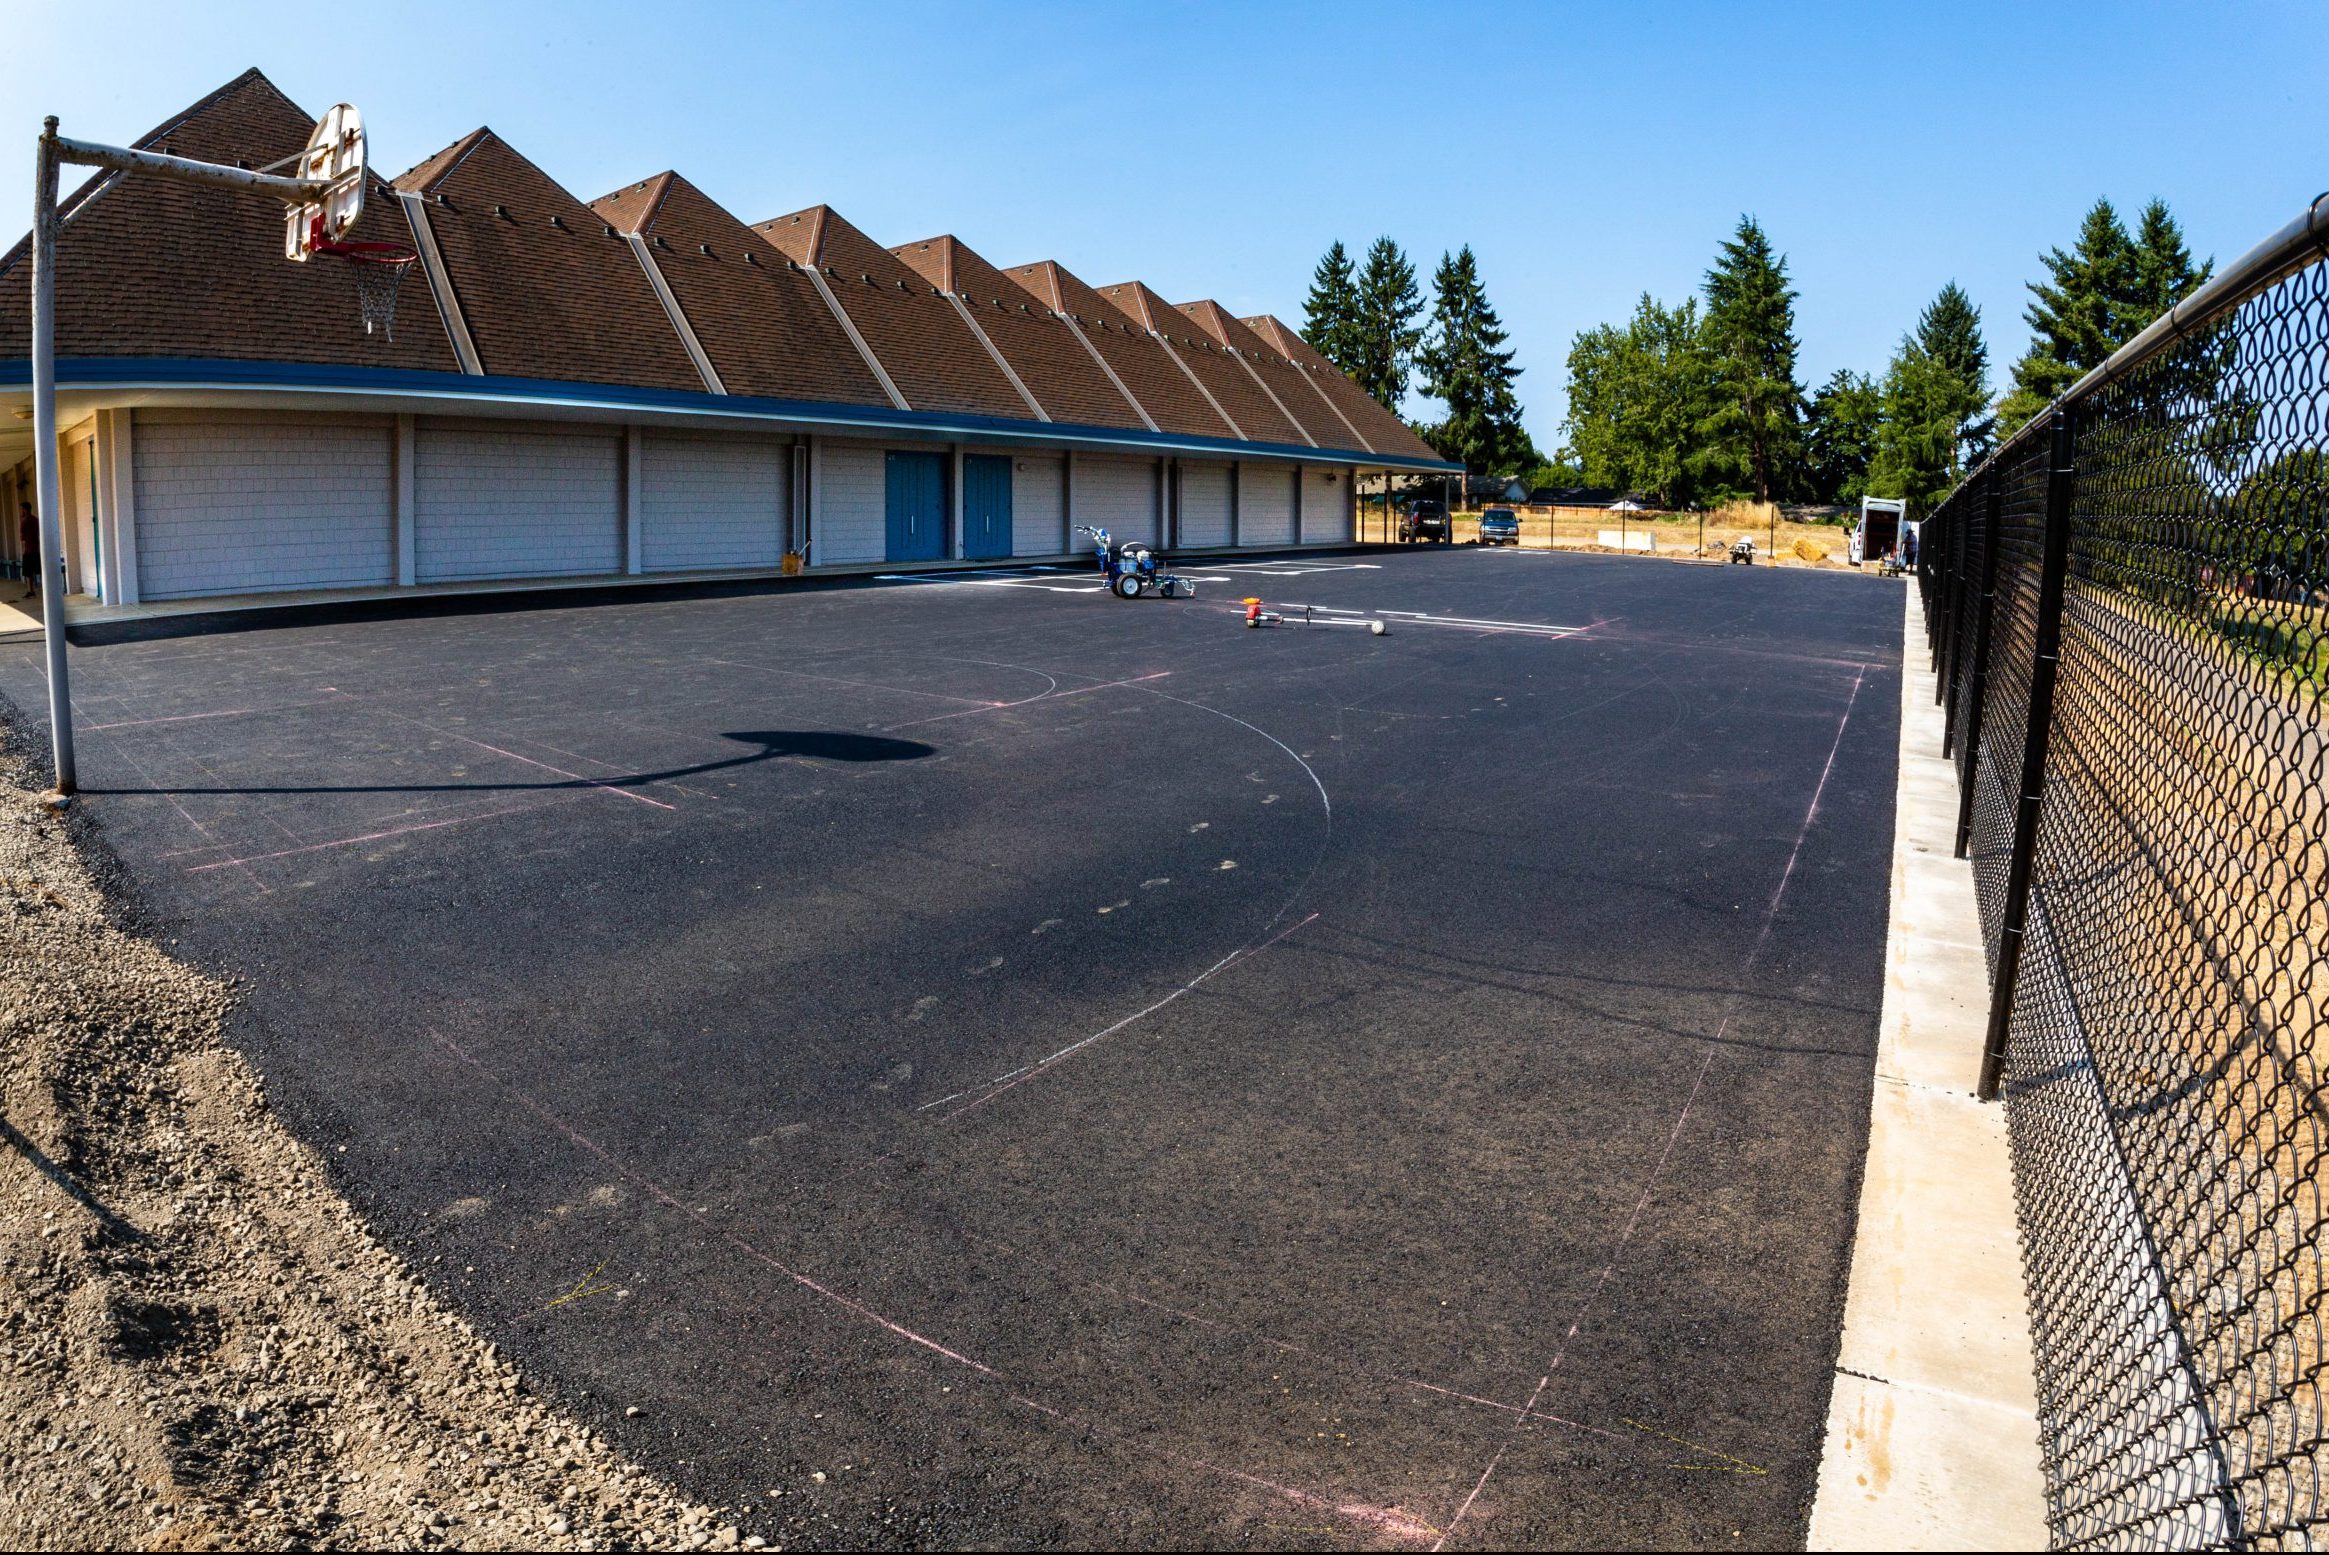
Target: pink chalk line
1633	1221
1389	1520
373	836
1020	1076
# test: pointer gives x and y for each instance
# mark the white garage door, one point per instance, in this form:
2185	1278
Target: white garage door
244	503
1204	504
1265	505
1326	506
852	492
513	501
1038	492
711	501
1118	495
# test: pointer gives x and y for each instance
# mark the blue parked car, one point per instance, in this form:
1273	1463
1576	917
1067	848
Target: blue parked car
1499	526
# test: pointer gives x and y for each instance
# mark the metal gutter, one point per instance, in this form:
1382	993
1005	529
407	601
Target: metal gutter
434	390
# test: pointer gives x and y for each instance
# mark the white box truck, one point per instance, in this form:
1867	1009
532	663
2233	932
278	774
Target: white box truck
1883	528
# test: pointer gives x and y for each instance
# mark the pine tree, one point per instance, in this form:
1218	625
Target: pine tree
2079	316
1389	305
2097	298
1330	315
1750	326
2164	272
1464	367
1949	332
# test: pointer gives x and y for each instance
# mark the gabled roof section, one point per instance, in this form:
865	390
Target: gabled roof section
1230	386
1278	377
912	330
548	290
1385	433
152	267
1058	371
759	319
1137	359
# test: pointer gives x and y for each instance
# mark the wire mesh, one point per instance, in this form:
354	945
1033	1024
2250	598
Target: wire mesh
2169	1129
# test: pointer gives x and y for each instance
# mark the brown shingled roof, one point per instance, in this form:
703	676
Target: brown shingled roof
1162	389
1384	432
1038	344
547	292
761	321
1279	378
1230	385
932	356
152	267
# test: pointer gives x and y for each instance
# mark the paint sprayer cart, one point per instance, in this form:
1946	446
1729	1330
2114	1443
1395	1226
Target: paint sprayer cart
1132	569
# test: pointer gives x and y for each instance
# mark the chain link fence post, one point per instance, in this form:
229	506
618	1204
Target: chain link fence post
2061	479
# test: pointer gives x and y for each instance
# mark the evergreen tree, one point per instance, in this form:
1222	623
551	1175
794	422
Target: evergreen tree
1464	367
1949	332
1389	305
1840	436
1330	315
2164	272
2079	316
1750	328
1916	441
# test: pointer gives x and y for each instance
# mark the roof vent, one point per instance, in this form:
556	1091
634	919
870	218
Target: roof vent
705	249
501	210
609	229
748	259
559	222
443	200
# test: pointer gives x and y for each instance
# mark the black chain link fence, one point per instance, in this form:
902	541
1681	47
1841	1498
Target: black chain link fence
2129	611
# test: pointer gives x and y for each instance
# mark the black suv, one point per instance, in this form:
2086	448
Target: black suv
1425	520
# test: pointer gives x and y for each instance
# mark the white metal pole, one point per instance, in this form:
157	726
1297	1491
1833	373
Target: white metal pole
44	449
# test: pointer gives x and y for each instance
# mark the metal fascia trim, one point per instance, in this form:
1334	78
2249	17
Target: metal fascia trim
1167	346
1102	362
1024	393
695	347
849	327
1291	418
424	238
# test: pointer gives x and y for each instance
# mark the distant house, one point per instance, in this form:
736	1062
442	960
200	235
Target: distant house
1578	496
1494	488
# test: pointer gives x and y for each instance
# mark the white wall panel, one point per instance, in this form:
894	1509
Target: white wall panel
1265	505
711	501
496	500
852	503
1038	495
250	501
1326	506
1118	495
1204	503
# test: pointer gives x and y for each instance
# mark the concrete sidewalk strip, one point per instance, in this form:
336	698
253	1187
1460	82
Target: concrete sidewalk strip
1932	1438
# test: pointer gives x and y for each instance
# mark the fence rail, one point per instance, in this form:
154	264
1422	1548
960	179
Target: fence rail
2128	606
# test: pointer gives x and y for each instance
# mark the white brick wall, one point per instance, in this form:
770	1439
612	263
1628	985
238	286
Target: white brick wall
712	501
1265	505
853	501
515	500
1118	495
1326	506
1204	503
233	504
1037	495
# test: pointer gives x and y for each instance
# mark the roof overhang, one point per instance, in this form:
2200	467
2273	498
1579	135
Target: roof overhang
113	382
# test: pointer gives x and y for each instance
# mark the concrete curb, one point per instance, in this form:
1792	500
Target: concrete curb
1932	1438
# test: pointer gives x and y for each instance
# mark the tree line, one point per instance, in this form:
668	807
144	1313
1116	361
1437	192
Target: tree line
1370	321
1699	402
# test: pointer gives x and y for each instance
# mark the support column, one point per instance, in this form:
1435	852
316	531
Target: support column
634	500
1236	501
401	494
117	511
955	546
816	502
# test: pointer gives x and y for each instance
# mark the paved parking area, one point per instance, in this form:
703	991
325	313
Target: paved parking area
1082	1072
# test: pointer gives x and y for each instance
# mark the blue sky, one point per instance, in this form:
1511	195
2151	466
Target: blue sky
1587	153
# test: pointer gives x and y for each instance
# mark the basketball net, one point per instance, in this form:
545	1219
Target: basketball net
379	269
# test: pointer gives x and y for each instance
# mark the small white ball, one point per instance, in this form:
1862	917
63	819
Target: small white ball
1377	628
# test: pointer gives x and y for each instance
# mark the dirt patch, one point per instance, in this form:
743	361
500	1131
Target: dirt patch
200	1346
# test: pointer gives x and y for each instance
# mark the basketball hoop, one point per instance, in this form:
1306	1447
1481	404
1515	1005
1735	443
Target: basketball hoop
379	270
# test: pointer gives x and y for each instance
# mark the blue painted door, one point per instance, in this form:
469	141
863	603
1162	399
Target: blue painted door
986	506
917	507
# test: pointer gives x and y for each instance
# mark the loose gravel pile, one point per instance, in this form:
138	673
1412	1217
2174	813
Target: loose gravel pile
200	1346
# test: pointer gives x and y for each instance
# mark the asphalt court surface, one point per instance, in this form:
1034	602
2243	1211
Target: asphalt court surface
1076	1071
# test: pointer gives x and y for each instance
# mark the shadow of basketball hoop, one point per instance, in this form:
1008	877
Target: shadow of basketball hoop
830	745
